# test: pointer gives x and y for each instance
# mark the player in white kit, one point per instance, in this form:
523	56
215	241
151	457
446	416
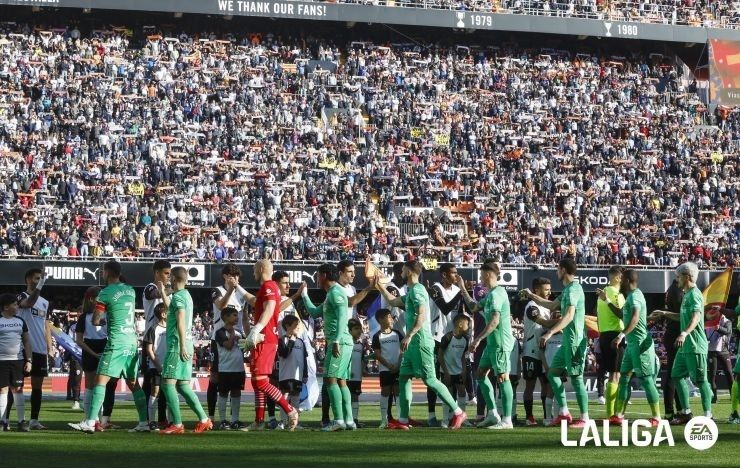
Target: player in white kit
34	310
155	293
532	355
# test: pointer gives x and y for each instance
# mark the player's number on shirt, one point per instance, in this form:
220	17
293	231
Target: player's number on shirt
130	315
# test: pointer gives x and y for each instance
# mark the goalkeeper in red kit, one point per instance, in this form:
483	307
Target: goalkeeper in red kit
263	341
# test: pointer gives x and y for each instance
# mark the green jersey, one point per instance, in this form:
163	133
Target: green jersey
335	310
696	341
575	331
415	298
497	302
180	300
636	304
118	302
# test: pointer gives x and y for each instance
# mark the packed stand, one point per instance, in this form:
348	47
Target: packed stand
214	149
713	14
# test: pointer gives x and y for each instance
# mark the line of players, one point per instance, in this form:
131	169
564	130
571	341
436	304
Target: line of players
430	320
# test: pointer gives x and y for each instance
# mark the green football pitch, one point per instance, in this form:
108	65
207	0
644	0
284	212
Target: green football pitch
524	446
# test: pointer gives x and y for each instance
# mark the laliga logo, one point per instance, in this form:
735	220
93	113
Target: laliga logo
638	435
701	433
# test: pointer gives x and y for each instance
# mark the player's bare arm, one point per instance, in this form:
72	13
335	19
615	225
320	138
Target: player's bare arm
470	303
421	317
562	323
80	340
182	334
612	306
628	329
540	301
357	298
695	319
390	298
495	320
27	352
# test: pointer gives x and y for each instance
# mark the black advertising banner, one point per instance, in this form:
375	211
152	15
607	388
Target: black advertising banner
207	275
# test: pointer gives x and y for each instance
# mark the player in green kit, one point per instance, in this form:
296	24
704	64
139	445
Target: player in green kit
178	363
570	359
691	360
639	356
417	347
120	357
499	344
337	365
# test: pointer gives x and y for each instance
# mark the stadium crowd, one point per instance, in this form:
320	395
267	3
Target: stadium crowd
715	14
218	148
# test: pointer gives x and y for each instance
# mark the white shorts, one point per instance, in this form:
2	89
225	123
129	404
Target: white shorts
551	348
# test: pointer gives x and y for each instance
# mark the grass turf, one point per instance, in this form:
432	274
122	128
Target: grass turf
60	446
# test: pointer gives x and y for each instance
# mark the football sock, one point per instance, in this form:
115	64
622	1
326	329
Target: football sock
581	395
173	402
192	400
335	398
346	404
141	406
507	397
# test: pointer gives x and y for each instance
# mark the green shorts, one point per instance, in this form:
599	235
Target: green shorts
642	363
570	358
690	365
338	367
736	369
496	359
418	360
175	368
121	362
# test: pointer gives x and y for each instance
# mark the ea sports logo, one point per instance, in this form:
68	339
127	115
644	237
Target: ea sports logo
701	433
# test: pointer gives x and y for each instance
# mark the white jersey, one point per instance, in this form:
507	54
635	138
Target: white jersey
292	365
356	365
454	351
389	345
398	313
532	330
35	318
91	331
438	319
157	336
150	291
351	291
229	360
237	300
308	324
11	337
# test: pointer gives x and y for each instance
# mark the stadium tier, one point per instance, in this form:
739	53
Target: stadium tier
151	142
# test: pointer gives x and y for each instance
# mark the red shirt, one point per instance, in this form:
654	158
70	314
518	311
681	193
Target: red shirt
268	291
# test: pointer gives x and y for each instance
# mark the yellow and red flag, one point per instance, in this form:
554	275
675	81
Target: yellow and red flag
716	293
